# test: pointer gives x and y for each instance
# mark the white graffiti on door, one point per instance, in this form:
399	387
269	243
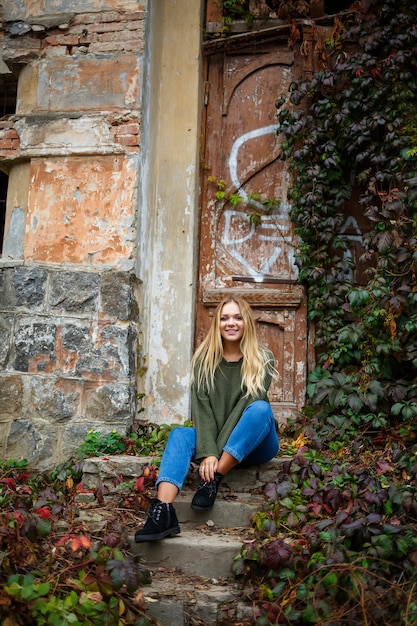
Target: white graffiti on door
274	227
231	241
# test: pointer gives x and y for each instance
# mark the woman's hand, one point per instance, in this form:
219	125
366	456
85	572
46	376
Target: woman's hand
207	468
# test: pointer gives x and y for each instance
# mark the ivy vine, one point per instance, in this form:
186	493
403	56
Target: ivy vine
351	137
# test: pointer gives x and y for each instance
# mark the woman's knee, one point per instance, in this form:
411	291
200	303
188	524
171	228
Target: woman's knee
182	435
261	409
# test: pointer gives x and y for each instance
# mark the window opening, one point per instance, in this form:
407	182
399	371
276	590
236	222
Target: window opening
8	99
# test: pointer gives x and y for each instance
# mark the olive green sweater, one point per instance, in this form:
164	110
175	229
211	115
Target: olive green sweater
215	413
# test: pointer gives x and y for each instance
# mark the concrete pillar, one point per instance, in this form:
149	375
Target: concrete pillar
169	204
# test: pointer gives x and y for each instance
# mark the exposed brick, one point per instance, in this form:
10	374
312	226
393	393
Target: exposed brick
139	14
86	39
108	27
127	140
56	51
111	16
51	40
116	47
84	19
6	144
127	129
9	143
137	25
10	133
68	40
121	36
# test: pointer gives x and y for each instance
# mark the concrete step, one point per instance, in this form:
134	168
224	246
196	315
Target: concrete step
195	551
227	511
177	600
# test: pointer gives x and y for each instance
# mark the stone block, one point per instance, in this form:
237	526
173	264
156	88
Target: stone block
118	296
102	470
29	286
33	440
74	293
107	404
34	345
119	345
56	400
76	340
103	352
168	612
7	295
22	287
6	335
11	396
215	553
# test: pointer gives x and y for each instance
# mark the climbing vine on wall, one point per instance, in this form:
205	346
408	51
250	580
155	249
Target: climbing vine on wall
352	137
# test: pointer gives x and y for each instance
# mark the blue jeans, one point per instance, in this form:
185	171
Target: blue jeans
254	440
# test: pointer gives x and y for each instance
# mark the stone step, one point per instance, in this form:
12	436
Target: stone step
195	551
227	511
177	600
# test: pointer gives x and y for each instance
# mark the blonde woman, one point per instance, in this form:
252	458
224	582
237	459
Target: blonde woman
232	417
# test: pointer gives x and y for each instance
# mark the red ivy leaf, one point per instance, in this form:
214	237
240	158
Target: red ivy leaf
139	484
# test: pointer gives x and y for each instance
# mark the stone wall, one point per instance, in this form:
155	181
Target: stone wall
69	312
67	353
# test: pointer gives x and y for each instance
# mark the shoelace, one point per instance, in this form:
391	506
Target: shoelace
155	512
212	487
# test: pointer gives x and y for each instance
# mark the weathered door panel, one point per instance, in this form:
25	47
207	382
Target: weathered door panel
242	149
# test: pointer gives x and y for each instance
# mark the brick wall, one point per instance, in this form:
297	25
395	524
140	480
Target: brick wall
9	141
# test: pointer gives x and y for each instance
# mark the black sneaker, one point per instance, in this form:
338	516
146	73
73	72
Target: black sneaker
206	493
161	522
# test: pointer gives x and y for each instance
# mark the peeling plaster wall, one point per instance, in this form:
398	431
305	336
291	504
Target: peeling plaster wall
102	191
166	260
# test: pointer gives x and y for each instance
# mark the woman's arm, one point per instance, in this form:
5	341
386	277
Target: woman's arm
205	424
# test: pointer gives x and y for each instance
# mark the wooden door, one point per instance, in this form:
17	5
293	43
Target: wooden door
241	147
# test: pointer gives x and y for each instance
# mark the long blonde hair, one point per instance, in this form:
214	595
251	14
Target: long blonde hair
209	353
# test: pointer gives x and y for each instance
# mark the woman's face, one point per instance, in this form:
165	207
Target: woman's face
231	323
